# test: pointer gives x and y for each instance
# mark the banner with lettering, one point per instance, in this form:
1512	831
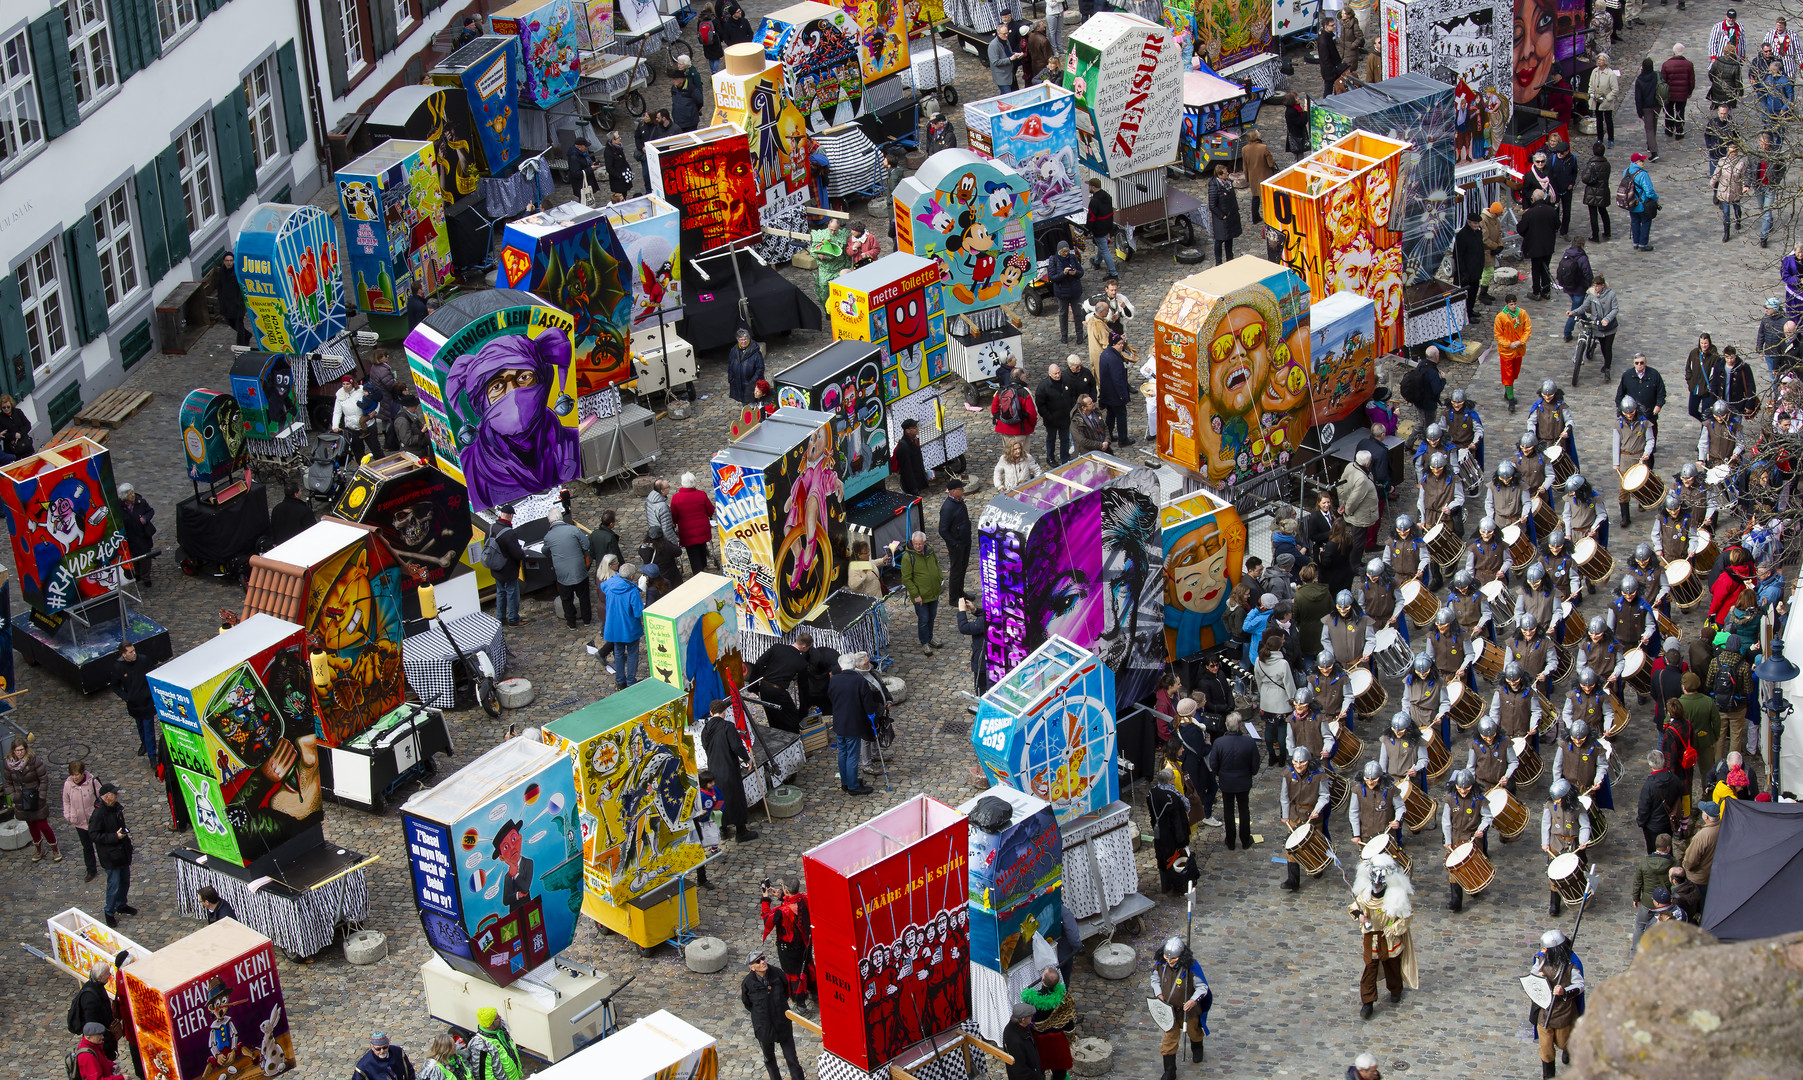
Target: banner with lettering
198	1017
1127	73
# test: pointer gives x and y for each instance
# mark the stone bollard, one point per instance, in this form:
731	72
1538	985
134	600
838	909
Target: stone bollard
1113	961
14	835
1091	1057
515	693
705	955
784	802
365	947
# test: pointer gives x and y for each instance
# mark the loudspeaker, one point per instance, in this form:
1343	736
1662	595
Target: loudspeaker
612	445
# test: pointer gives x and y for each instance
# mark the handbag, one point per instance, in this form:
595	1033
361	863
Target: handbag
31	800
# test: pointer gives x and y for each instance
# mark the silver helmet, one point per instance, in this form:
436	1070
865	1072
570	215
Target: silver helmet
1301	755
1304	696
1560	791
1487	727
1549	388
1404	523
1463	580
1672	503
1435	433
1437	461
1464	778
1486	526
1513	672
1556	538
1598	625
1574	483
1580	730
1527	621
1505	471
1587	676
1375	568
1423	664
1688	471
1552	939
1535	574
1399	723
1443	617
1325	659
1719	409
1528	441
1629	584
1458	396
1343	598
1372	771
1643	552
1173	947
1629	405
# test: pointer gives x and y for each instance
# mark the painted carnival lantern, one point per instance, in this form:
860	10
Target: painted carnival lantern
292	278
973	217
570	257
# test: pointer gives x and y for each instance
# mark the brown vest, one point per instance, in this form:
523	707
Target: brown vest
1492	759
1564	1012
1377	599
1633	439
1601	656
1515	711
1307	732
1579	764
1449	649
1583	516
1376	809
1549	422
1467	608
1506	502
1674	537
1721	440
1694	498
1304	793
1423	701
1630	622
1461	427
1539	603
1330	693
1561	569
1400	755
1487	557
1565	828
1467	814
1531	655
1436	496
1593	709
1347	636
1532	470
1405	558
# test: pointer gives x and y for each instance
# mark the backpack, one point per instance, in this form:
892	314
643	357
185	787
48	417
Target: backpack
72	1061
1726	689
1008	409
1624	191
492	556
1414	384
1569	276
1687	759
706	31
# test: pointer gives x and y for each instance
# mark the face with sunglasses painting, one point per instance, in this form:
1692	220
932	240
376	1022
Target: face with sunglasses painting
1256	384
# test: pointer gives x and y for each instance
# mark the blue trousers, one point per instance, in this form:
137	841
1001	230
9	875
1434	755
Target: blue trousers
147	734
118	888
626	662
850	751
924	614
507	601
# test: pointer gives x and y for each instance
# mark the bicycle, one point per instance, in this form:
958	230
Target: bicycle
1587	341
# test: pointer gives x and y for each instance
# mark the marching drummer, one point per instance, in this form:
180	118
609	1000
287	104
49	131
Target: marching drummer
1585	703
1584	516
1634	443
1401	752
1469	607
1348	631
1492	757
1302	799
1642	564
1530	648
1698	499
1486	556
1308	727
1603	653
1374	808
1721	440
1584	761
1514	711
1433	441
1552	420
1506	500
1377	599
1530	466
1562	568
1671	528
1439	495
1536	595
1464	819
1564	828
1464	428
1329	683
1633	621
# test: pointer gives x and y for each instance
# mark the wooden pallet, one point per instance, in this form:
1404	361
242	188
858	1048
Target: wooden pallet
77	431
114	407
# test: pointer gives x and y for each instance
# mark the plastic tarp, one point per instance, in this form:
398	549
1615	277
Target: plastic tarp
1758	872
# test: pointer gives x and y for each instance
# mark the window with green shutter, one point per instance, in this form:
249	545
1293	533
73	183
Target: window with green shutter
247	138
55	76
331	14
63	407
84	266
233	181
135	345
175	214
13	344
294	106
150	223
136	42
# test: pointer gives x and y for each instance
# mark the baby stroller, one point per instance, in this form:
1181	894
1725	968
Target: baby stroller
325	461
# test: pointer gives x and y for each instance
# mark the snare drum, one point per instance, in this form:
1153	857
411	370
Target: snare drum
1644	485
1618	721
1521	547
1469	869
1490	659
1465	705
1576	628
1419	604
1443	547
1548	728
1599	821
1390	652
1368	695
1501	601
1593	559
1385	844
1439	758
1637	670
1417	806
1509	814
1558	463
1471	474
1527	760
1546	519
1687	589
1666	625
1346	743
1337	790
1703	551
1307	847
1567	875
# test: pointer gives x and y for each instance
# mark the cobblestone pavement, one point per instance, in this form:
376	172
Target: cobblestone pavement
1284	966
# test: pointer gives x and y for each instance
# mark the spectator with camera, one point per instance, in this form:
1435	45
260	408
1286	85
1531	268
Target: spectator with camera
784	907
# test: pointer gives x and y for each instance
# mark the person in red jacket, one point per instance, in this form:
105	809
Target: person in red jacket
91	1062
694	514
1015	414
1735	577
1681	78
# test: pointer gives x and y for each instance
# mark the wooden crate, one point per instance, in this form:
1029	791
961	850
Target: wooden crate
814	736
114	407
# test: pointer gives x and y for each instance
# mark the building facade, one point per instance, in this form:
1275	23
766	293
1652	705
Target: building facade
134	137
362	49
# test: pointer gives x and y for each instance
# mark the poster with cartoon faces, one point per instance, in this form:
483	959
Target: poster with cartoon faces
292	277
882	30
818	47
549	45
897	303
650	231
973	217
1342	346
1033	131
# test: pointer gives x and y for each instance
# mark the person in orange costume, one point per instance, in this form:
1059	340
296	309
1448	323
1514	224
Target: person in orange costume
1512	328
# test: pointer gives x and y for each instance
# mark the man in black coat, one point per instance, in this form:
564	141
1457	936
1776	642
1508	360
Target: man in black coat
1659	795
765	995
1468	261
1642	382
131	683
1425	395
1380	469
1328	55
230	298
1116	390
93	1004
772	680
1168	812
292	516
1019	1043
1065	272
1562	170
954	533
854	702
1538	228
1234	761
910	468
972	624
727	758
112	850
1055	400
820	665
